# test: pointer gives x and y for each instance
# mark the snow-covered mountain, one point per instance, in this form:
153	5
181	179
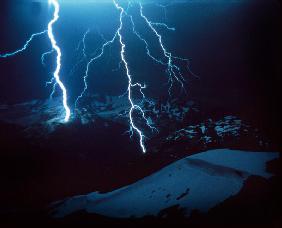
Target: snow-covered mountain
197	182
174	130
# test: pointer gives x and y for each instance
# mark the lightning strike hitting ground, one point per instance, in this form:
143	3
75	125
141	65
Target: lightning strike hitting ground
130	85
55	48
58	59
172	69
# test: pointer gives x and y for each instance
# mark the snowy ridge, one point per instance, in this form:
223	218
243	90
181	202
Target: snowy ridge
200	182
36	112
170	117
228	126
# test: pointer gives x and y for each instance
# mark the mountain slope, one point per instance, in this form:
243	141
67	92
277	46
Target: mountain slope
197	182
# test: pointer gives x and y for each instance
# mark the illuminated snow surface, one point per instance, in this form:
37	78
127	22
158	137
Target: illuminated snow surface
45	116
49	113
197	182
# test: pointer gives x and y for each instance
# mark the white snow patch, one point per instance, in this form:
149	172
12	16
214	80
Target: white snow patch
200	181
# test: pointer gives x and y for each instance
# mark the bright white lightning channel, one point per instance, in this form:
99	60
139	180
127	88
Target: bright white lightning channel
133	107
58	59
174	71
56	48
130	85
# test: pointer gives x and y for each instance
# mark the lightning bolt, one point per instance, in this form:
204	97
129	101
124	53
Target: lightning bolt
130	84
133	107
168	60
92	60
55	48
58	59
171	63
174	71
26	45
